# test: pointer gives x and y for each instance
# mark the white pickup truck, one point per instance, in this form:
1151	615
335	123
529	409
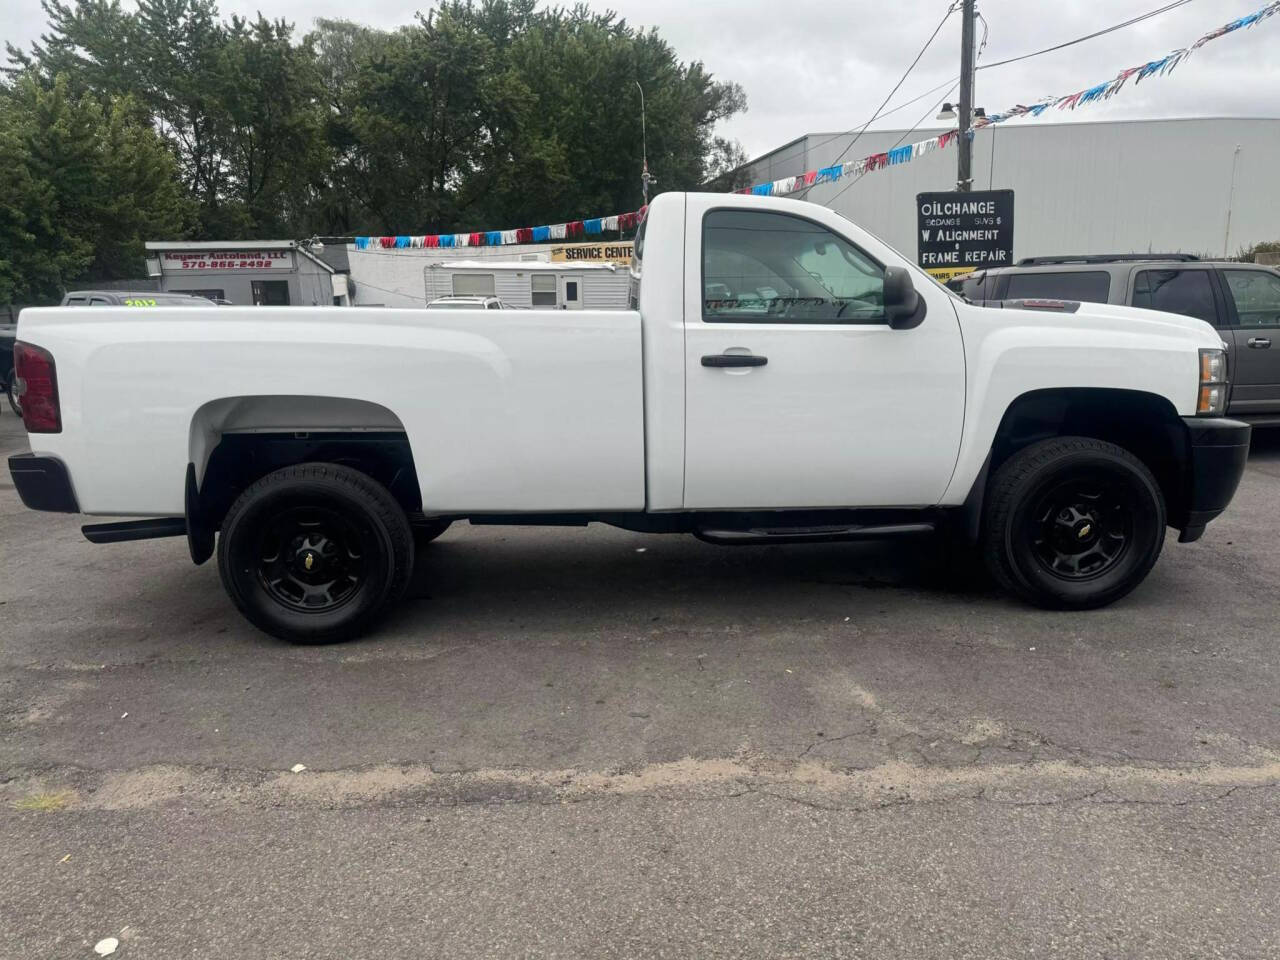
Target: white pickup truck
781	376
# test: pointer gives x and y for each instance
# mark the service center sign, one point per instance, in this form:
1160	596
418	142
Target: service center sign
963	232
180	261
617	252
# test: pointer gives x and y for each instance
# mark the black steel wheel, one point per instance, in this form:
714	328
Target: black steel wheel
1073	523
314	553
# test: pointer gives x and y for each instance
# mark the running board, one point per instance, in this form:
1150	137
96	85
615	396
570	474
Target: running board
731	538
135	530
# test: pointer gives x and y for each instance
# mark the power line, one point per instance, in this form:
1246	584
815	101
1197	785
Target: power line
951	8
999	63
1098	33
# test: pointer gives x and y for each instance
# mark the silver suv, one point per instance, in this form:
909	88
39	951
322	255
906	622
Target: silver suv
1242	300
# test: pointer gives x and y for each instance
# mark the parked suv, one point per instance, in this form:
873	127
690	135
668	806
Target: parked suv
1242	300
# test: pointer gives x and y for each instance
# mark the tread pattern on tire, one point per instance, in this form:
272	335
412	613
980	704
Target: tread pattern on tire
1004	489
378	498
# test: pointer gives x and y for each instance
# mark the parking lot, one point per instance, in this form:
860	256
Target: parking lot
586	742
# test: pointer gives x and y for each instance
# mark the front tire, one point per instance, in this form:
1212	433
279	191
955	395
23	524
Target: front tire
1073	523
315	553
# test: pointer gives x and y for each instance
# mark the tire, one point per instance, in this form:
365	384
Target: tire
315	553
424	531
1072	523
13	398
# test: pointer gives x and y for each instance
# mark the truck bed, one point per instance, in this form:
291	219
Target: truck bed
528	410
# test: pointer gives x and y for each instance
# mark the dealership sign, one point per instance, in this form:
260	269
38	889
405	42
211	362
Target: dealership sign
192	261
618	252
962	232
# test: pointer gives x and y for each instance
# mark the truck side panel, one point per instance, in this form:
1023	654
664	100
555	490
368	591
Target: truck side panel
1010	353
504	410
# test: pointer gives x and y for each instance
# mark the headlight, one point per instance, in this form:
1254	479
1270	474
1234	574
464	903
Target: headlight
1212	400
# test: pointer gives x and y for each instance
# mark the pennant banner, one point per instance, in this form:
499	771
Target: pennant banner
1152	68
1101	91
499	238
778	188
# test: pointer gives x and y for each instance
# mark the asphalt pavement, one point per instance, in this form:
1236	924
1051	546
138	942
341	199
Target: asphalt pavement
593	743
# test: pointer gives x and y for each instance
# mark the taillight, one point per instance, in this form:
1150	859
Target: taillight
36	388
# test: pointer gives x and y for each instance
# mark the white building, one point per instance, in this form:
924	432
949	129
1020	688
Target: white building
402	277
1204	186
532	283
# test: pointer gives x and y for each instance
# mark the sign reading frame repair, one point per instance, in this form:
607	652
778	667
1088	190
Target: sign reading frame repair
958	233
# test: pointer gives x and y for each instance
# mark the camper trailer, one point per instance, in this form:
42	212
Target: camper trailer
532	284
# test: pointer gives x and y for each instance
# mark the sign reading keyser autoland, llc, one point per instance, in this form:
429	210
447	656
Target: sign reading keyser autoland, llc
963	232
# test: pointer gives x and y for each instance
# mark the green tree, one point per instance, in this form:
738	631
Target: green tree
83	185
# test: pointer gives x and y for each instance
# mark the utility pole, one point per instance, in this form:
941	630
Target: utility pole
964	174
645	179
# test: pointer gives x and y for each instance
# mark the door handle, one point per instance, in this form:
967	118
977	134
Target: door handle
1260	343
733	360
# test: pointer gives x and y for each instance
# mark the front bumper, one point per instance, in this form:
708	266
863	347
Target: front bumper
1217	451
43	483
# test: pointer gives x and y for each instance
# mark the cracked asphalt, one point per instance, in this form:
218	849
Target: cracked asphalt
587	742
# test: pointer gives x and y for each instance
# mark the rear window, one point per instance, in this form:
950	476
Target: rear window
1091	286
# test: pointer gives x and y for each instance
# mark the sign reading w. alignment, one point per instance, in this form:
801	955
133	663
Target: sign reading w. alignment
962	232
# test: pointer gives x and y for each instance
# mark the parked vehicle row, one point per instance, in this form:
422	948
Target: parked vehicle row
783	377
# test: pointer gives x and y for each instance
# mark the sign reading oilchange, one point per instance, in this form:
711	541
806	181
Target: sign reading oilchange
963	232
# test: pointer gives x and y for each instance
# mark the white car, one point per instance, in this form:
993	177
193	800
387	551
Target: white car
465	303
784	377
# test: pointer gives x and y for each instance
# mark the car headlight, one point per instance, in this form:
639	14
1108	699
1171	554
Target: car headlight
1212	401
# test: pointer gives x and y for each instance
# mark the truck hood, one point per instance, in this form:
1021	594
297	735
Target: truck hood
1109	316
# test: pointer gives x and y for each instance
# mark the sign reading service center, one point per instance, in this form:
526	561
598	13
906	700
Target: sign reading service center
963	232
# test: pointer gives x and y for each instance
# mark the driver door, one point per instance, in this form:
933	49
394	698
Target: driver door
798	393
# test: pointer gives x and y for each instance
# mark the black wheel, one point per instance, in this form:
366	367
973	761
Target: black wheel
314	553
428	529
9	391
1073	523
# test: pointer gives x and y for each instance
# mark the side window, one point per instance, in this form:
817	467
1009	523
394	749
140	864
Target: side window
542	289
1089	286
99	302
974	286
776	268
473	284
1257	297
1188	292
493	305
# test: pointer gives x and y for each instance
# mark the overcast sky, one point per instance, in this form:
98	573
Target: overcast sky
820	66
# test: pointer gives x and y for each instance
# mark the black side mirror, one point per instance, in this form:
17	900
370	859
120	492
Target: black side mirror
903	307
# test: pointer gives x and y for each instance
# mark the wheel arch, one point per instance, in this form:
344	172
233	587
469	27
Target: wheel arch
1146	424
235	441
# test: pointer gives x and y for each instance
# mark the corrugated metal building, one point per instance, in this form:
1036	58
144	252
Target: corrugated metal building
1206	186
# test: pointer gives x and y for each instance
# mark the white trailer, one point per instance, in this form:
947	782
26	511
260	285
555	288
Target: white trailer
529	283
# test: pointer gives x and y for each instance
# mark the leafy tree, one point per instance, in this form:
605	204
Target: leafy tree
484	113
82	186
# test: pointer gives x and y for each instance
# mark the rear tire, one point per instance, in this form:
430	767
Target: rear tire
1073	523
315	553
